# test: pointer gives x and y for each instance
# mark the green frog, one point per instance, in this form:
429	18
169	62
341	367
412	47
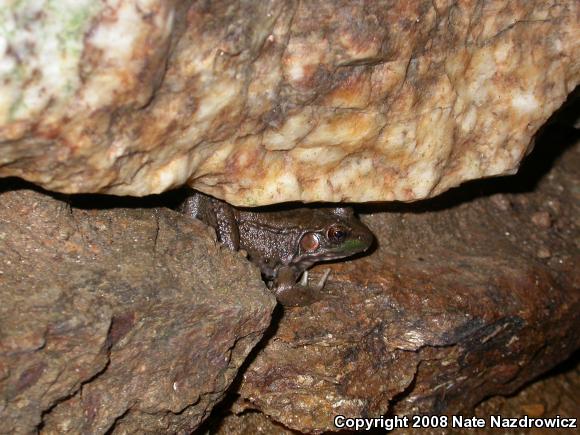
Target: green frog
284	244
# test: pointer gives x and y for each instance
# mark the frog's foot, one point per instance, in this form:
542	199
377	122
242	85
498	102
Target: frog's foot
296	296
300	294
321	282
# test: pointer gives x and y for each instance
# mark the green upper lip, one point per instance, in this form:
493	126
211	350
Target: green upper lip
355	245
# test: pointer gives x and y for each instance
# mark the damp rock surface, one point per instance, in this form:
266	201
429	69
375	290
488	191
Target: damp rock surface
458	302
265	102
117	320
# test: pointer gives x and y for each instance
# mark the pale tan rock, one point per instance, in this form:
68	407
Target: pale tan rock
264	102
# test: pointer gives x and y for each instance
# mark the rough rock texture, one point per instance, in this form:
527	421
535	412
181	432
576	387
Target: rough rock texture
117	320
548	397
551	396
468	295
263	102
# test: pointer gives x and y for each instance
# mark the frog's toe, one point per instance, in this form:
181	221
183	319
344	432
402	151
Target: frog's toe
322	281
304	279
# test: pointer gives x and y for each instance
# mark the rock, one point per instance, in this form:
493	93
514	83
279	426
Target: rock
249	423
265	102
452	307
543	252
550	397
542	219
117	320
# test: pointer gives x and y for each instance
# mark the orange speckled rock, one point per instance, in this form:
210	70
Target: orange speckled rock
265	102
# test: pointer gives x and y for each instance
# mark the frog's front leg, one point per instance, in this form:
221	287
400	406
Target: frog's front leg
296	294
217	214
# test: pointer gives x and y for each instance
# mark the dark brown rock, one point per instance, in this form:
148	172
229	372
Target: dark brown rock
117	320
452	307
554	395
249	423
549	397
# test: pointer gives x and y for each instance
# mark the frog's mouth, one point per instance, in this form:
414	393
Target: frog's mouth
347	249
354	246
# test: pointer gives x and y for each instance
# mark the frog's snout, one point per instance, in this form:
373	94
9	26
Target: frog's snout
366	239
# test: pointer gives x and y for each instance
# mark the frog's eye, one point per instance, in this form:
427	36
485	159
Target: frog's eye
337	234
309	242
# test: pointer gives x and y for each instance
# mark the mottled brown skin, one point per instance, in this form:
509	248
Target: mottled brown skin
284	243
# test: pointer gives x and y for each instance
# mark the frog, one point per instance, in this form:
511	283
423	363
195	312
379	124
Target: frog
284	243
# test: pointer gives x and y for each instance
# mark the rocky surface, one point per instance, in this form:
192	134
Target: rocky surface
118	320
468	295
122	318
264	102
551	396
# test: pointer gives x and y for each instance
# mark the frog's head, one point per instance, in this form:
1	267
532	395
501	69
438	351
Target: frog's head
339	234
